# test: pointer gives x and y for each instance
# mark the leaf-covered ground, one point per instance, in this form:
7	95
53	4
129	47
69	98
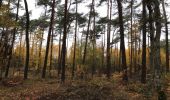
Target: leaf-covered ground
94	89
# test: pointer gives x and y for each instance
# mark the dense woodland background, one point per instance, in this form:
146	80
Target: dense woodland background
128	46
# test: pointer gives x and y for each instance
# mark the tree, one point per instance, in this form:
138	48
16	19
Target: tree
27	41
87	34
13	40
143	76
109	12
42	29
131	50
64	43
51	52
42	25
156	43
75	41
48	39
166	36
1	3
122	43
155	33
93	39
59	55
151	33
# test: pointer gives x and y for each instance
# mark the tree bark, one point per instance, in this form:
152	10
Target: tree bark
59	55
94	41
40	45
48	40
131	50
27	41
75	41
51	53
156	53
122	43
166	36
87	35
13	40
109	12
143	75
64	43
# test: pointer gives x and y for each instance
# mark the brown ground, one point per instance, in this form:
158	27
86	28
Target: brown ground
96	89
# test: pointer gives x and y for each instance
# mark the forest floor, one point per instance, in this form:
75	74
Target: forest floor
97	88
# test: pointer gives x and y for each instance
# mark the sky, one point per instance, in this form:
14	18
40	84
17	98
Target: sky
36	11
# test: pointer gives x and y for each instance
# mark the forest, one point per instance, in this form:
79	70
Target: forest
84	50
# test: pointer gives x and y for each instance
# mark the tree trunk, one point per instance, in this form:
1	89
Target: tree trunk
64	43
131	50
75	42
40	45
27	41
109	12
156	53
13	40
32	38
135	50
122	43
155	41
59	56
40	50
87	34
20	49
143	76
94	41
51	53
48	40
166	36
103	49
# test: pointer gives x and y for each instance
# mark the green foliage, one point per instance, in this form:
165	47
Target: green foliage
101	2
43	2
103	20
136	87
5	18
162	95
41	23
